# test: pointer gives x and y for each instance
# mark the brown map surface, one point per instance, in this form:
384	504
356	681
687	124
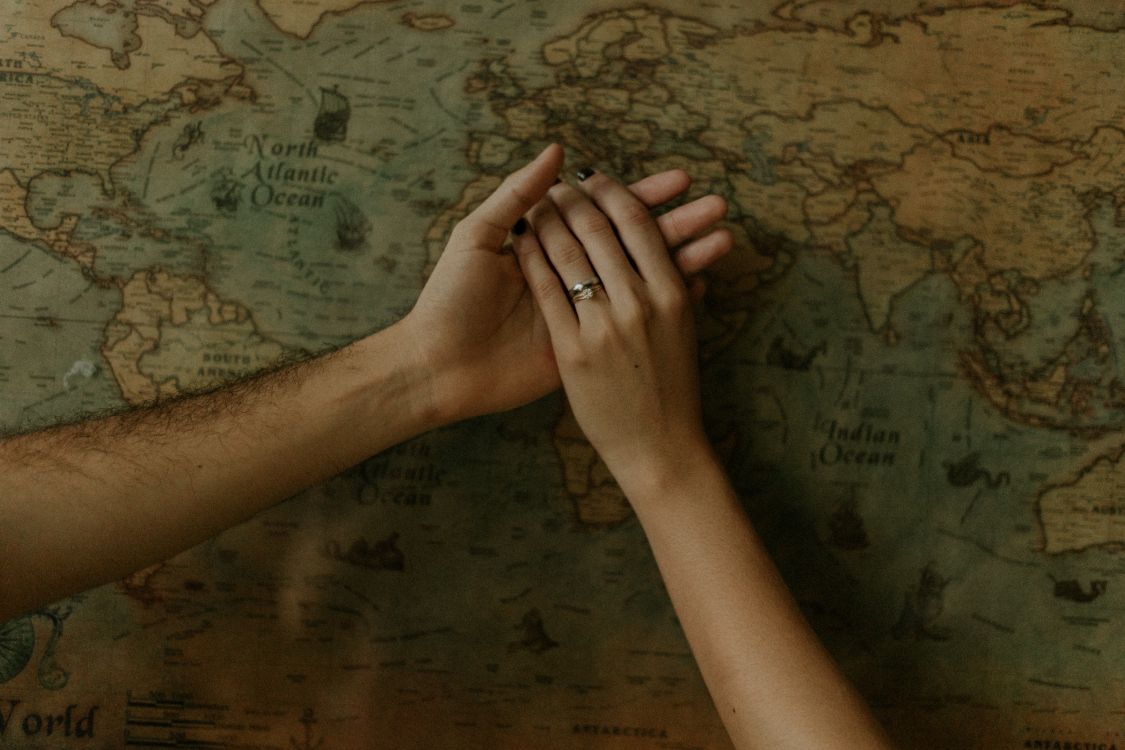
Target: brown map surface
910	361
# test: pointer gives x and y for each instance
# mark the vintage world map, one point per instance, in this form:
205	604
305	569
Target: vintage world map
911	361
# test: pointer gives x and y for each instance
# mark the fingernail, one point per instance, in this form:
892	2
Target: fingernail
520	226
558	180
584	173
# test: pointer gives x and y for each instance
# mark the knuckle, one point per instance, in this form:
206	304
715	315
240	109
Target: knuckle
547	287
633	213
635	313
674	299
524	249
573	356
583	353
570	253
536	212
603	337
593	225
647	312
632	319
676	226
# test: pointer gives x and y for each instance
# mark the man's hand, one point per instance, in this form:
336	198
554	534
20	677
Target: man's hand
477	327
160	480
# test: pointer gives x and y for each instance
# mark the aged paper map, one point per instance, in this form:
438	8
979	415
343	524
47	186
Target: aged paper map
911	361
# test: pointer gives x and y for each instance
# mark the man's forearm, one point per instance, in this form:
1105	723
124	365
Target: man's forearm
772	682
89	503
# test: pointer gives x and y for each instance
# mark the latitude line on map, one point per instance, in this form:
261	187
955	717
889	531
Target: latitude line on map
988	550
15	262
369	170
443	108
364	51
291	76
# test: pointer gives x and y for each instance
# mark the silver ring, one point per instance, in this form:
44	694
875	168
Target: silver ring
585	290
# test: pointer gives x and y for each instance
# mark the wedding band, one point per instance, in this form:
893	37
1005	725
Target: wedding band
585	290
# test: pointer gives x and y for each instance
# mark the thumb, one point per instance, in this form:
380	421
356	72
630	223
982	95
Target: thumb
488	226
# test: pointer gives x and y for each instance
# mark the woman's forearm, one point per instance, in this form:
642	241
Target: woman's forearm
622	333
92	502
772	682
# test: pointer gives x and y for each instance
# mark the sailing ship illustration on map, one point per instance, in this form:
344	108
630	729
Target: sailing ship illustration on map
226	191
332	118
383	555
352	225
535	638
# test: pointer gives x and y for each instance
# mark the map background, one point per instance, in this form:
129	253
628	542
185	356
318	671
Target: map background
261	628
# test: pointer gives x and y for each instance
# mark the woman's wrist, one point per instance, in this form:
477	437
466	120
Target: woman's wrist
649	481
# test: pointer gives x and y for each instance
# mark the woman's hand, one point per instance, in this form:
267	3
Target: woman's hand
627	360
477	328
627	355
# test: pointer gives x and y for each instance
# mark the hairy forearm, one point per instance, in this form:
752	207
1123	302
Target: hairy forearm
771	680
88	503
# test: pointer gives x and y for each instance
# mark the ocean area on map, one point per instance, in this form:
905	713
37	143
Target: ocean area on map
910	362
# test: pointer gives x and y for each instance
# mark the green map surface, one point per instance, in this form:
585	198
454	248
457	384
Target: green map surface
910	359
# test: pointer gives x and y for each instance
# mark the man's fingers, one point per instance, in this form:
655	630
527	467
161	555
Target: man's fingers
701	253
682	223
487	227
661	187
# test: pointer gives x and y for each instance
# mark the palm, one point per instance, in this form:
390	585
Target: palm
499	355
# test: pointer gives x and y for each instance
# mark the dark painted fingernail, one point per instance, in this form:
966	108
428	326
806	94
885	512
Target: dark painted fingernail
585	173
520	226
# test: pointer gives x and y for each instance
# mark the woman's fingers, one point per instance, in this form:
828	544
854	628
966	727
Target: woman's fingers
552	298
577	242
661	187
639	233
562	248
684	222
701	253
593	230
